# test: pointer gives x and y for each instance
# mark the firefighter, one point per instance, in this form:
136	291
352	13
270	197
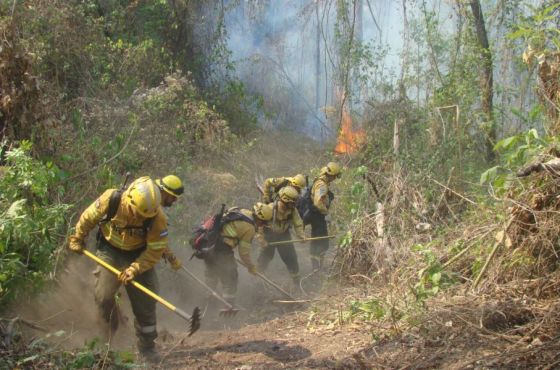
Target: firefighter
285	216
132	237
171	189
272	185
238	230
321	198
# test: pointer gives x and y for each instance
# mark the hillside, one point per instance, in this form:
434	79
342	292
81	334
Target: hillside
442	116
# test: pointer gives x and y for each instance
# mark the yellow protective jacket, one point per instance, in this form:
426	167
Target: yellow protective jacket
240	234
320	195
283	219
119	234
272	185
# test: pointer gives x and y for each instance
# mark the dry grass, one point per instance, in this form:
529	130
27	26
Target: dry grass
502	311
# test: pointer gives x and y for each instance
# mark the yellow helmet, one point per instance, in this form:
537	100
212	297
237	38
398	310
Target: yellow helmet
263	211
172	185
298	181
288	194
145	196
332	169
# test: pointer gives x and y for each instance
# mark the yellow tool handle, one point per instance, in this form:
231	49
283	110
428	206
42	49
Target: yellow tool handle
302	240
136	284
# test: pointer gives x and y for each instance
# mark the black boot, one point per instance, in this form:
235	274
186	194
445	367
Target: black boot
146	344
149	355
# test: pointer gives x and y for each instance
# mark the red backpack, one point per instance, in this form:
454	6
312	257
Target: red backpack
206	234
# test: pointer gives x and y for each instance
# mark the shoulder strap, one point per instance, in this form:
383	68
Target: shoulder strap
281	185
115	200
114	203
235	214
148	224
310	192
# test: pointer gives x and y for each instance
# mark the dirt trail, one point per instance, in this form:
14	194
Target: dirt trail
287	342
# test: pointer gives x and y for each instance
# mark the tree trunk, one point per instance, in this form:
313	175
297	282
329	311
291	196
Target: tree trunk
318	61
405	55
486	77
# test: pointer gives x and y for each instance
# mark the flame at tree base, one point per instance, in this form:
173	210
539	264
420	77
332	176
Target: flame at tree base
349	141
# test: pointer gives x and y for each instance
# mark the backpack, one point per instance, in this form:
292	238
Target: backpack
277	188
305	205
206	234
114	203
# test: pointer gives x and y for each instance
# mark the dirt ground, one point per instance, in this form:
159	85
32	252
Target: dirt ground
272	334
282	343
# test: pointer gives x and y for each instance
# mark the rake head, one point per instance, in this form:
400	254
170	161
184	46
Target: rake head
228	312
195	321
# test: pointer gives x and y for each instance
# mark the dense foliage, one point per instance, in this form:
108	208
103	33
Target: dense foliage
32	222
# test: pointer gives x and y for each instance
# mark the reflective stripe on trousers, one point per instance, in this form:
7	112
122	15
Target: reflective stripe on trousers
147	329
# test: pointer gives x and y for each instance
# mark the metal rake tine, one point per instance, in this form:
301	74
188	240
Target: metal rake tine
228	312
195	321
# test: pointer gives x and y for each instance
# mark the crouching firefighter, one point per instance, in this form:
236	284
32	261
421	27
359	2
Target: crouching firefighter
234	228
315	210
285	215
132	237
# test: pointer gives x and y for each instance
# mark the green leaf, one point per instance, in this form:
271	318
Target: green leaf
532	134
124	357
488	175
362	170
436	278
84	360
500	182
357	188
15	208
417	248
506	143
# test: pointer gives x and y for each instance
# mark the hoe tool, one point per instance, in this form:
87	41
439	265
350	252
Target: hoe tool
229	311
269	282
302	240
193	319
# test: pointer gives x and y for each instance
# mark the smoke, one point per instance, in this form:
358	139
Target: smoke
287	52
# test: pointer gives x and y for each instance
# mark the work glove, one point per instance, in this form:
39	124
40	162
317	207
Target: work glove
76	244
174	262
252	269
261	240
127	275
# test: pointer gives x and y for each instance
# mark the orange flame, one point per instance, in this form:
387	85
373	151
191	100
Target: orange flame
349	141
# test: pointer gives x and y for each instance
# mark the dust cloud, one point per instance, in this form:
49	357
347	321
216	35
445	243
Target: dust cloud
69	306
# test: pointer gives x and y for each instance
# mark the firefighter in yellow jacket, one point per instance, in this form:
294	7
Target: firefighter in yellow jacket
272	186
133	240
322	198
285	216
238	233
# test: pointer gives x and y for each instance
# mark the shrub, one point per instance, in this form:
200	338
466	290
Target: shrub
31	222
